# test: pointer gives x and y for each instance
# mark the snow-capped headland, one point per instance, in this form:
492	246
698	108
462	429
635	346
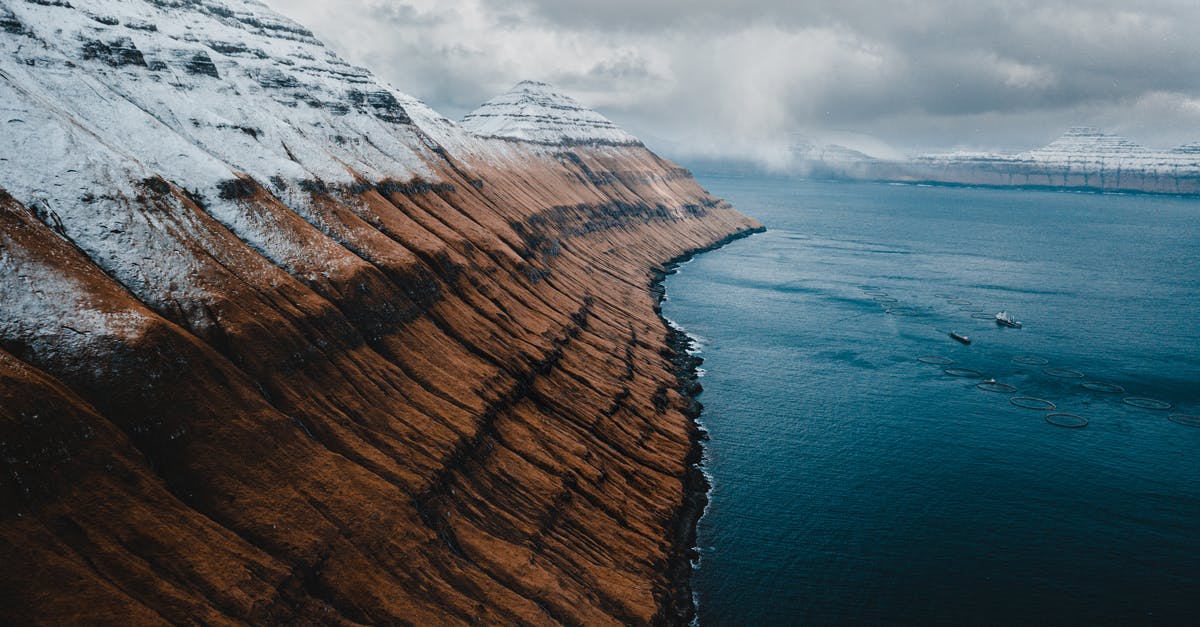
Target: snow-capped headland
281	344
1083	157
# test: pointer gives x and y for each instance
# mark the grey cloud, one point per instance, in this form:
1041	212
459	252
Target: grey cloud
404	14
625	67
714	75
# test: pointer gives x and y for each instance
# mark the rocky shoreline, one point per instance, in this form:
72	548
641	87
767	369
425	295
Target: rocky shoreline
680	604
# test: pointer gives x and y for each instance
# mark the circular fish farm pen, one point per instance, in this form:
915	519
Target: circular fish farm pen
1030	360
971	310
958	301
965	373
884	299
1187	420
937	360
902	311
874	293
1069	421
1107	388
996	386
1063	373
1030	402
983	315
1146	403
942	296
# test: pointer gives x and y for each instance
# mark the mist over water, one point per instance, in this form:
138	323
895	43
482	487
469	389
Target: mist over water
854	483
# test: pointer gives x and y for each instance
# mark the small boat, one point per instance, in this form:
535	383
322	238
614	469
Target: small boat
960	337
1005	319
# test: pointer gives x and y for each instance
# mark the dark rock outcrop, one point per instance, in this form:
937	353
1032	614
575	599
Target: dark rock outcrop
201	64
115	52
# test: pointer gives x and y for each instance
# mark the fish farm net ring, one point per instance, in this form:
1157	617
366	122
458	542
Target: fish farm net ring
870	292
969	309
885	299
996	386
1030	360
1070	421
1146	403
959	301
1096	386
983	315
942	296
1185	420
1063	373
937	360
902	311
1029	402
963	372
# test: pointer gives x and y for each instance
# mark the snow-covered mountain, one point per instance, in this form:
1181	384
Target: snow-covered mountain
99	98
824	160
195	90
280	344
808	151
1082	157
1088	144
536	112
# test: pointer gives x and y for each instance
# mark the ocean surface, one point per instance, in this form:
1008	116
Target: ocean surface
854	483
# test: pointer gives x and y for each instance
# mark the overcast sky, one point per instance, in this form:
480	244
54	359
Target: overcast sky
713	76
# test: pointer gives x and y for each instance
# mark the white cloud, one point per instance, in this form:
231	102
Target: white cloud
1019	75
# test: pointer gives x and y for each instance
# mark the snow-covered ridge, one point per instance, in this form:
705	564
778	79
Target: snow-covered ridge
535	112
193	90
1086	149
1084	140
101	101
132	127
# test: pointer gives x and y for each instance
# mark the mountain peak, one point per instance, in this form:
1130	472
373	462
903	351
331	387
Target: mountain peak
1090	142
536	112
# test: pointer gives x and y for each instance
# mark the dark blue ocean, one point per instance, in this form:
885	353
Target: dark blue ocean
856	484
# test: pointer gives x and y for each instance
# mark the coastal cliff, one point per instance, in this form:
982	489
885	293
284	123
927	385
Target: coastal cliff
1082	158
279	343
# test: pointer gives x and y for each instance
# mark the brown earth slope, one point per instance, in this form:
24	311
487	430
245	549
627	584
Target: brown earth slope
456	407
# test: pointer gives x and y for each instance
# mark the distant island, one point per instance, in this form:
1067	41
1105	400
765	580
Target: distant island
1082	158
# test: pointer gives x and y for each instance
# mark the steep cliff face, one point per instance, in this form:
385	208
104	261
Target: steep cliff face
280	343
